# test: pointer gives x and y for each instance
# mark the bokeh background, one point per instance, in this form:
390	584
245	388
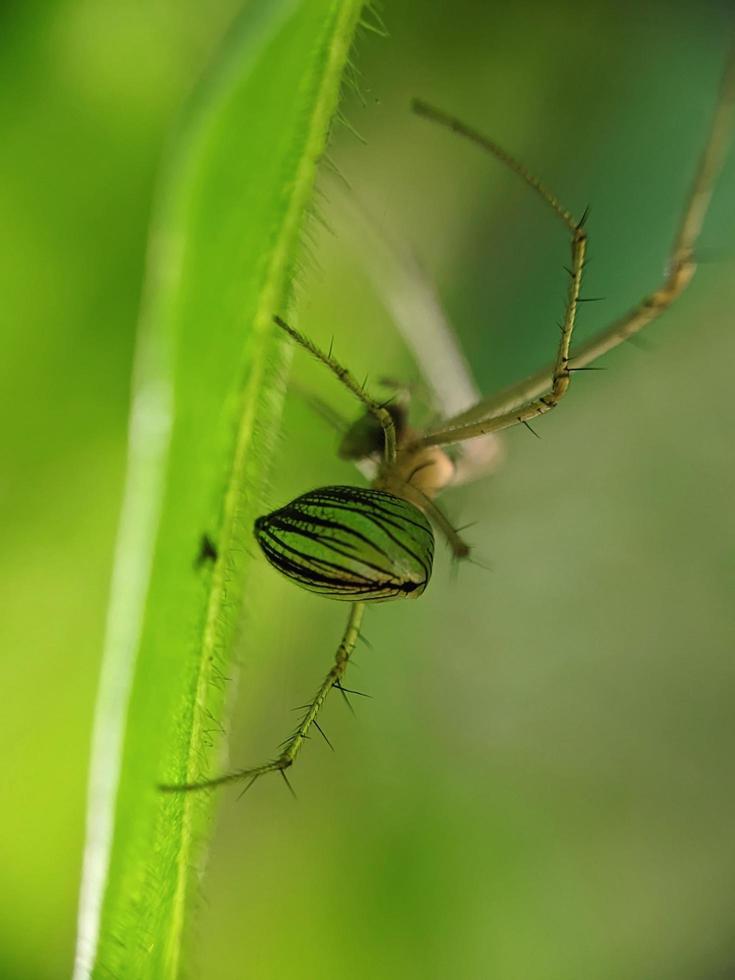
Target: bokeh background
541	787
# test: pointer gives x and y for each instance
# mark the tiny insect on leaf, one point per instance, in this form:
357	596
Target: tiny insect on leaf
350	543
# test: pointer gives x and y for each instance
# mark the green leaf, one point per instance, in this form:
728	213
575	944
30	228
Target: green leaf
206	406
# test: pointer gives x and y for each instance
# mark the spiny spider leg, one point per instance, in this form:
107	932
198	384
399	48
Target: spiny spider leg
560	375
502	408
375	408
292	745
411	297
457	545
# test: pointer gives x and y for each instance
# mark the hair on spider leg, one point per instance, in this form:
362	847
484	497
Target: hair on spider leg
284	742
248	784
468	559
485	566
464	527
530	428
585	216
346	701
390	400
361	636
350	690
323	734
287	781
345	692
466	556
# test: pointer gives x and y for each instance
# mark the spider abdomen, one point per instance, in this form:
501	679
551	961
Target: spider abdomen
350	543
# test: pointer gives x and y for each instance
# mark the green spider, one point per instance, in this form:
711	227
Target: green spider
366	545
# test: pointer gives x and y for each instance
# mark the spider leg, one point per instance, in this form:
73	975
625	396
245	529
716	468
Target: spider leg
509	406
411	298
342	374
292	745
560	376
459	547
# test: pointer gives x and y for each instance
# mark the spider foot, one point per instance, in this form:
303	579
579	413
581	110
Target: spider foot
248	776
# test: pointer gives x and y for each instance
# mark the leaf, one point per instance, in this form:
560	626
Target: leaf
205	409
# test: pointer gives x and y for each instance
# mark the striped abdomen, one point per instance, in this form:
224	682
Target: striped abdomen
350	543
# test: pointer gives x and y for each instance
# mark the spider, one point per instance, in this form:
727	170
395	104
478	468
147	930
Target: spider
373	544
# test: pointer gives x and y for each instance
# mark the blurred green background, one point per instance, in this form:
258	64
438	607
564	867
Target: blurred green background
542	786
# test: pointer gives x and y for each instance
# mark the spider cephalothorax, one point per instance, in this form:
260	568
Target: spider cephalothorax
417	474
